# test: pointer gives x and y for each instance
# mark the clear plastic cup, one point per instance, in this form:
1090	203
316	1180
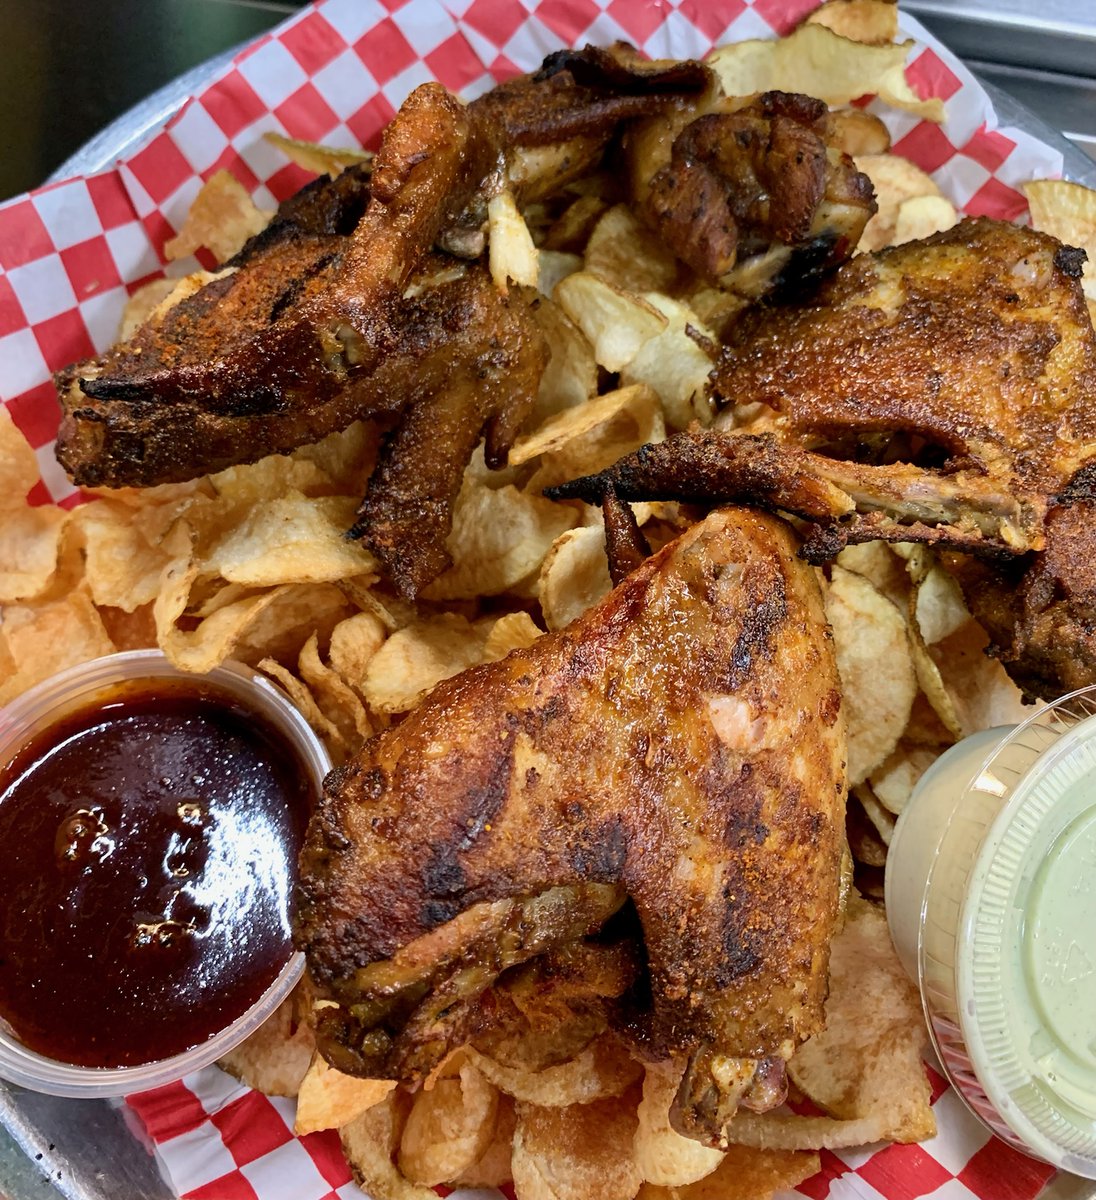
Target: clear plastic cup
991	899
70	691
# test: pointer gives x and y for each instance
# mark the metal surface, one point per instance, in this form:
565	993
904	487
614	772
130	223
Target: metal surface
85	1150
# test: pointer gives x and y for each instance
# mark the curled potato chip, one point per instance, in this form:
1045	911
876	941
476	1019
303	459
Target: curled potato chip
515	631
939	608
879	815
573	423
511	254
122	569
370	1143
570	377
744	1174
338	702
895	180
1067	211
818	62
874	22
896	776
221	218
662	1155
577	1152
625	253
30	545
921	217
449	1127
492	1169
142	304
604	1068
615	322
877	674
353	644
305	703
855	132
884	570
276	1057
328	1099
311	156
417	657
675	365
574	575
499	537
18	464
979	688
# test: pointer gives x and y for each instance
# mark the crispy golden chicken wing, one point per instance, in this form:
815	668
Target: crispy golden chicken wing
680	749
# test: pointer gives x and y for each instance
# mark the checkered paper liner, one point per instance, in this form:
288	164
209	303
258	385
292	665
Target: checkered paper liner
72	252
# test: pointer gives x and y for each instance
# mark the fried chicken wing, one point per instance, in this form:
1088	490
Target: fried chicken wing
526	801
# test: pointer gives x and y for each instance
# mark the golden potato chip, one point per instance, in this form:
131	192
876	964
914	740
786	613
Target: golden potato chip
493	1168
896	180
515	631
353	644
570	377
567	426
856	132
574	575
576	1153
881	818
449	1128
818	62
40	640
336	699
370	1143
129	630
122	569
744	1174
921	217
18	464
980	689
499	537
867	1064
311	156
1067	211
305	703
142	304
222	217
604	1068
883	570
571	230
291	539
340	462
276	1057
328	1099
675	365
874	22
511	255
615	322
939	608
896	776
877	674
625	253
30	543
662	1155
417	657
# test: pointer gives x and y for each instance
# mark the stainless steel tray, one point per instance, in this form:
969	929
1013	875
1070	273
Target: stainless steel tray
91	1149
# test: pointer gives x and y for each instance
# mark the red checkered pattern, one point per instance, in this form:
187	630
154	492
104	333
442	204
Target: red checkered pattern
72	252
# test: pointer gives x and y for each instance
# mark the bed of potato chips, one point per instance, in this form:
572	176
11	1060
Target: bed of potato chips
251	564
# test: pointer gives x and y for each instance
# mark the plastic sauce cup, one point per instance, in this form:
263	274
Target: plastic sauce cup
991	900
50	702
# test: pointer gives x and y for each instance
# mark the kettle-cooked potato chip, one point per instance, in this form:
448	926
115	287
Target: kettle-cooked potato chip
874	22
328	1099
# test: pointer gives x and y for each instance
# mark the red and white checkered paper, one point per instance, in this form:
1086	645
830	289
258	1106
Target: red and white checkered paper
71	253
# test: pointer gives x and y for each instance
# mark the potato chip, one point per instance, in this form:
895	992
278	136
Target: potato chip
291	539
353	644
311	156
894	779
939	608
818	62
867	1064
571	231
979	687
370	1143
122	569
30	544
865	845
625	253
895	180
874	22
511	255
744	1174
142	304
221	218
328	1099
499	537
515	631
574	575
662	1155
674	364
18	464
880	817
573	423
417	657
570	377
129	630
884	570
336	699
41	640
555	265
921	217
615	322
603	1069
276	1057
576	1153
449	1127
1067	211
493	1168
877	675
305	703
856	132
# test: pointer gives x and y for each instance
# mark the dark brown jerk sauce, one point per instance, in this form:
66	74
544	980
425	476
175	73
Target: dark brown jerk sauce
149	848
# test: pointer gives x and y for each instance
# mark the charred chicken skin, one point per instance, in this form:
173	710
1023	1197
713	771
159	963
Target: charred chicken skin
526	801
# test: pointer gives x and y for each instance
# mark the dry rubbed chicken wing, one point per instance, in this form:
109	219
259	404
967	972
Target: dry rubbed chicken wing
680	746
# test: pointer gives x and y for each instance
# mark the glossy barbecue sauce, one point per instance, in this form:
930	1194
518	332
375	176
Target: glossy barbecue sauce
149	848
